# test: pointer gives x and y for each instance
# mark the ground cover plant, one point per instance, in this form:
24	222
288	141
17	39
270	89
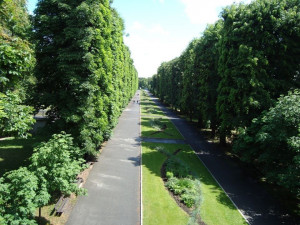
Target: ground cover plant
159	128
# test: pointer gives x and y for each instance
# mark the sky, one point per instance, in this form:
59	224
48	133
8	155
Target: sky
159	30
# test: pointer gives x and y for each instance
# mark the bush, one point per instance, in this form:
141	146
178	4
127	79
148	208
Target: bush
15	118
175	167
272	142
18	194
185	188
57	163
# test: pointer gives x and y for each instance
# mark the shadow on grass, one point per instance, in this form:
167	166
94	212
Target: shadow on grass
14	152
159	128
151	159
42	220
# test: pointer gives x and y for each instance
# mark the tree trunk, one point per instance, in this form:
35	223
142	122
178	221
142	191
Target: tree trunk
200	122
222	138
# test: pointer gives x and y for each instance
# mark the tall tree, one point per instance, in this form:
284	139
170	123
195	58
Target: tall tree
77	64
259	59
206	69
17	57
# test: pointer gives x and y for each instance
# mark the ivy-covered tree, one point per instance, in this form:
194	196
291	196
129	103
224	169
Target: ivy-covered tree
272	142
259	59
81	59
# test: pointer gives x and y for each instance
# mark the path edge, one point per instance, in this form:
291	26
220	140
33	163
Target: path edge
197	154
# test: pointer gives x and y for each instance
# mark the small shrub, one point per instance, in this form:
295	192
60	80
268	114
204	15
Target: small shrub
169	174
177	168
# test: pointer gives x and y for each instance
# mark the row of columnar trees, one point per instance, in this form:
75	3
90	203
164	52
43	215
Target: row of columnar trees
84	72
69	59
236	71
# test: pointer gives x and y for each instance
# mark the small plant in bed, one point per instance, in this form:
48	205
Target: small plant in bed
181	182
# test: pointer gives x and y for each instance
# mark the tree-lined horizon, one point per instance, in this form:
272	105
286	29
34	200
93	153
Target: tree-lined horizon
240	79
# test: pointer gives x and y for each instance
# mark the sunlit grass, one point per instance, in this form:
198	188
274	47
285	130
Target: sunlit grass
153	128
216	208
158	206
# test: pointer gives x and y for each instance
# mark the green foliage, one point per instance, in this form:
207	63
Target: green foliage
176	168
15	119
56	163
85	75
18	192
234	72
272	142
258	59
186	188
143	83
16	54
206	69
14	19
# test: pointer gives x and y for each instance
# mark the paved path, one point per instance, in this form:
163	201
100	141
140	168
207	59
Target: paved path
114	182
249	196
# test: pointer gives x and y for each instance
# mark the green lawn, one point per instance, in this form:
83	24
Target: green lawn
151	127
158	206
216	207
14	152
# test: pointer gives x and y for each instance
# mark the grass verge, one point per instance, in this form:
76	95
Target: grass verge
159	128
158	206
216	208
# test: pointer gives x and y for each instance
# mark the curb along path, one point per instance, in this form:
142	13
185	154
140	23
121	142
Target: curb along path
255	204
114	182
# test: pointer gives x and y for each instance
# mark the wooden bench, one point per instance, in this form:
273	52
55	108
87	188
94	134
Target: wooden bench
60	206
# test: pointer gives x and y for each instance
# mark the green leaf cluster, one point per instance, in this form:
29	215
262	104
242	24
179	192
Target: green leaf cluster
53	168
85	75
15	118
16	53
57	163
18	192
272	142
16	68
